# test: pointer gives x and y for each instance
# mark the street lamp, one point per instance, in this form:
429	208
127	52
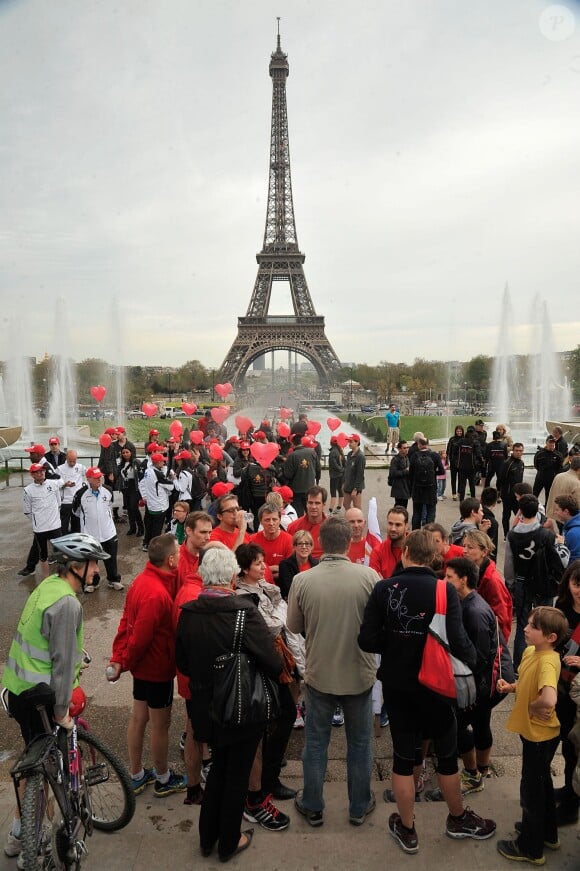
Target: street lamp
212	384
351	386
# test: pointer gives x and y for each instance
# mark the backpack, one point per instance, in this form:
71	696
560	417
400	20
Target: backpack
198	484
424	470
546	571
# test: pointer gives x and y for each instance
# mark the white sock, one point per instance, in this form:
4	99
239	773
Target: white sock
163	778
139	775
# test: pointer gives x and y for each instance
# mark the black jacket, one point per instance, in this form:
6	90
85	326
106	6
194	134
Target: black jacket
287	571
205	631
481	627
510	474
399	477
547	463
395	625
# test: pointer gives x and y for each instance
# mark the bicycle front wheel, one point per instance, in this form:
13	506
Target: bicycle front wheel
111	796
35	829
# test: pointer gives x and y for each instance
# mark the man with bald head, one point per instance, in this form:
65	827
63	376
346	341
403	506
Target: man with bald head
361	544
73	474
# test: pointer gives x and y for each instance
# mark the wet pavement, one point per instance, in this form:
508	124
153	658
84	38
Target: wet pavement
165	825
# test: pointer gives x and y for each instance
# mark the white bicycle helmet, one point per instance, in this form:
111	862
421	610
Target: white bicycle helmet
78	546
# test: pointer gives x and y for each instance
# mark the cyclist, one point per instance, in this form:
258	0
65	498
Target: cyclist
47	647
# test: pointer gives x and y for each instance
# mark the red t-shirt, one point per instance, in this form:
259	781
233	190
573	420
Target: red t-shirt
227	538
188	592
314	530
187	567
356	552
276	550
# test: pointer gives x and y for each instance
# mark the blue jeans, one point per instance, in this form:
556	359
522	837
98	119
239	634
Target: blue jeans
523	606
422	514
358	721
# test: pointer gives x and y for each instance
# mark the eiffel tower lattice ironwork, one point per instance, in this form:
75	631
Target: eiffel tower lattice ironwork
280	260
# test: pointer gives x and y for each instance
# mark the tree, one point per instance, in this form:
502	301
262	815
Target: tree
477	372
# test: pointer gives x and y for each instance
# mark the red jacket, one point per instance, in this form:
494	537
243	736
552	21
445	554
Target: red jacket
187	567
492	588
384	558
145	640
188	592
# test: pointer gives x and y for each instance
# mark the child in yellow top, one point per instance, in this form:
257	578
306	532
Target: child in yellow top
534	718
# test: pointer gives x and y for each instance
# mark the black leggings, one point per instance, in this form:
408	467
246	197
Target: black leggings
453	475
479	736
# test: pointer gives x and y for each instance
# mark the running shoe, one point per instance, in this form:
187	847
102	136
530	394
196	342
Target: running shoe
338	717
267	815
470	825
384	720
313	818
510	850
471	782
176	783
358	821
13	845
406	838
148	777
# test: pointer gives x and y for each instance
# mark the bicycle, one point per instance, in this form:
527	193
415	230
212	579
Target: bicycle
89	788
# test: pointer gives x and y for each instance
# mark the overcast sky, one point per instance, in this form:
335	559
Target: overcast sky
435	153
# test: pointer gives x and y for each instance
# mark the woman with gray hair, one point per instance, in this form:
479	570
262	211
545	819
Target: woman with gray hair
204	632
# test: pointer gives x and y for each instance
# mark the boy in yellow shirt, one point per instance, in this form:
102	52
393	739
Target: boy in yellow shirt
534	718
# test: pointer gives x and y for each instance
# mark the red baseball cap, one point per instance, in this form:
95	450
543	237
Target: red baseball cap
221	488
285	492
112	430
307	442
157	457
37	467
354	438
259	434
54	440
153	446
36	449
94	472
121	430
153	432
183	455
244	446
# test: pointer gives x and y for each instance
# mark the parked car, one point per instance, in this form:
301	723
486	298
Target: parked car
135	414
367	409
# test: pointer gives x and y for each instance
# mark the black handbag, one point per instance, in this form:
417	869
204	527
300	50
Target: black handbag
242	693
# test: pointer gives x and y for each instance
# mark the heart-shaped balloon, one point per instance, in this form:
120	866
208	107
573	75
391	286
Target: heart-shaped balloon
283	430
216	452
98	392
333	423
285	413
264	454
220	413
313	427
150	409
342	439
196	437
176	428
189	407
223	390
105	440
243	424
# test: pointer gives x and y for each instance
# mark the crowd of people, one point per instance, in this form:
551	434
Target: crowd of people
325	607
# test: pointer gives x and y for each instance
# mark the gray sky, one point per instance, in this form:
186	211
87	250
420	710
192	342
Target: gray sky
435	157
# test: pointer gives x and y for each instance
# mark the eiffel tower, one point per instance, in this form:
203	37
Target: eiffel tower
280	260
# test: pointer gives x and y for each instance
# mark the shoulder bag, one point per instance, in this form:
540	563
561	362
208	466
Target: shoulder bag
440	671
242	693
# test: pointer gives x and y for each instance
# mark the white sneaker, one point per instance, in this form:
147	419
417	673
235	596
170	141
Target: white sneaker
116	585
13	845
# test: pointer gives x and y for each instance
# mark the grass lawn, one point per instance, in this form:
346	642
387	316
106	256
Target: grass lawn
431	426
138	429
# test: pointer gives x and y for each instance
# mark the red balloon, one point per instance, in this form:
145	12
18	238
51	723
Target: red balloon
285	413
196	437
105	440
216	452
283	430
189	407
342	439
313	427
176	428
264	454
98	392
220	413
223	390
333	423
243	424
150	409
